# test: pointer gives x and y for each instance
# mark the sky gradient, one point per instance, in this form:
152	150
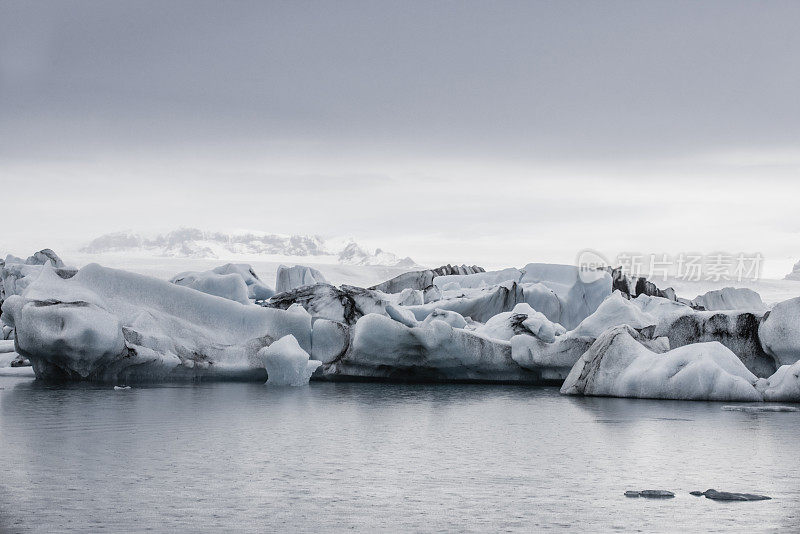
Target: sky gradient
478	132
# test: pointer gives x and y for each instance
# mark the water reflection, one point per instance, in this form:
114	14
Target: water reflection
337	456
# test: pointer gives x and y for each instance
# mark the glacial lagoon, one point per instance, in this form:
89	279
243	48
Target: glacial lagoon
383	457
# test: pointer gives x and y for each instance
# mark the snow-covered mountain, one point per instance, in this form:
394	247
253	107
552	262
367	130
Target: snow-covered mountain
795	274
194	243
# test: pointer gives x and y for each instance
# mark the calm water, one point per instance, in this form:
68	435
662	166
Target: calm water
246	457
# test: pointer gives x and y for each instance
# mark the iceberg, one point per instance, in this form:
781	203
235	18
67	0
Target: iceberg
478	279
423	279
382	348
455	320
16	273
109	325
580	292
783	386
521	320
234	281
730	298
228	286
289	278
287	364
779	332
620	364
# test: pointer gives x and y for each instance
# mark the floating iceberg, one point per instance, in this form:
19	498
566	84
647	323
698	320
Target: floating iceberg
783	386
289	278
540	324
16	273
730	298
228	286
779	332
619	364
234	281
478	279
522	320
110	325
422	280
382	348
287	364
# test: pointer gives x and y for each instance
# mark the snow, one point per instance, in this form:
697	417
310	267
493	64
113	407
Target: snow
780	332
619	365
730	298
289	278
287	364
107	324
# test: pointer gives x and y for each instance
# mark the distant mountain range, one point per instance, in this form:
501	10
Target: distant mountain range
194	243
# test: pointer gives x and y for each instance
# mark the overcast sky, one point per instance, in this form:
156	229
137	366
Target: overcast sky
482	132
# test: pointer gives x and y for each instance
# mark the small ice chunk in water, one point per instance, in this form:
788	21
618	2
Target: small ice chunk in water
118	388
287	364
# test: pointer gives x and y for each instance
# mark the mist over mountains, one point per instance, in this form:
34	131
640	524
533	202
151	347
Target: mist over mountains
195	243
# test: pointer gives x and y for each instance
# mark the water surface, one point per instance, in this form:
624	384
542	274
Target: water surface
335	457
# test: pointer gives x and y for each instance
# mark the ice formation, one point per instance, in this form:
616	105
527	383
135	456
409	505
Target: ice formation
783	386
16	273
521	320
289	278
228	286
620	365
234	281
730	298
422	280
541	324
779	333
287	364
108	325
